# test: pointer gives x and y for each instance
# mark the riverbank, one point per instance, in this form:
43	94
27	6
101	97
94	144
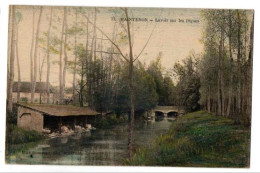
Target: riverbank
198	139
99	147
19	139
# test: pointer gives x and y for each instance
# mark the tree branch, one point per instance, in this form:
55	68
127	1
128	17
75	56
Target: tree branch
145	43
108	39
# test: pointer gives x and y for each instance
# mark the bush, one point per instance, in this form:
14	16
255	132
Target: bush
19	139
17	135
113	119
108	121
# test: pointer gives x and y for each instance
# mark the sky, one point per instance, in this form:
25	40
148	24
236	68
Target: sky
175	39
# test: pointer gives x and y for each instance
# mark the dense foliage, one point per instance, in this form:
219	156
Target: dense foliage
188	84
226	65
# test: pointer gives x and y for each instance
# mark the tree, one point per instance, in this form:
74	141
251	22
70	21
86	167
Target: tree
168	92
75	58
248	98
80	52
12	58
145	97
17	21
41	65
155	70
35	54
188	83
225	36
31	56
60	62
48	57
164	83
130	60
65	51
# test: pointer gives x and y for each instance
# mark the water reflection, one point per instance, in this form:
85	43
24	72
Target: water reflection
100	147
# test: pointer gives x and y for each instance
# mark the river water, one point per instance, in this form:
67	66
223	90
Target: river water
99	147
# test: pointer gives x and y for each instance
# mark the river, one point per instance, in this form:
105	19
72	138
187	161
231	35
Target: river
99	147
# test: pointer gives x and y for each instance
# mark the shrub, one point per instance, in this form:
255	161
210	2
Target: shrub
17	135
108	121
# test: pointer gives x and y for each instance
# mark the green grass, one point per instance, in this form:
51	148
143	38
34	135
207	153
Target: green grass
17	135
198	139
19	139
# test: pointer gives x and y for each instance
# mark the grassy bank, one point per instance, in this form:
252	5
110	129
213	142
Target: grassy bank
19	139
198	139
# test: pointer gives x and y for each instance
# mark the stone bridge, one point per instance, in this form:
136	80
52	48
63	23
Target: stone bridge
168	111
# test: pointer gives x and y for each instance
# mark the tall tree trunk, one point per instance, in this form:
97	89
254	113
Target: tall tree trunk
91	82
131	88
18	64
40	75
239	66
101	84
41	64
65	49
94	70
245	79
219	82
230	92
249	76
81	101
9	46
87	66
48	58
12	57
109	78
95	35
31	57
208	100
35	54
221	79
75	60
60	63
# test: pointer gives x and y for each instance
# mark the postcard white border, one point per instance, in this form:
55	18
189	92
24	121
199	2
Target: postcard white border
244	4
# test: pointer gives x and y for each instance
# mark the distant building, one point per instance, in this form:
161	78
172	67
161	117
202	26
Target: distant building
44	116
40	94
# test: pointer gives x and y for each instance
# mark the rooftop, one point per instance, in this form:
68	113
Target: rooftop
26	87
60	110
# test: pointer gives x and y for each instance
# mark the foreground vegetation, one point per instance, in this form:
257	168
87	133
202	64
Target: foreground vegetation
198	139
19	139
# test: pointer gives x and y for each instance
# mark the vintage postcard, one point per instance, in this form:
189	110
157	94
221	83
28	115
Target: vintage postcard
129	86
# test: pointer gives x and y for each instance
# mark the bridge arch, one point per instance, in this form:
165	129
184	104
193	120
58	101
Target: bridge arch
172	114
159	114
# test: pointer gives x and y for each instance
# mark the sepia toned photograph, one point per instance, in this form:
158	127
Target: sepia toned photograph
105	86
